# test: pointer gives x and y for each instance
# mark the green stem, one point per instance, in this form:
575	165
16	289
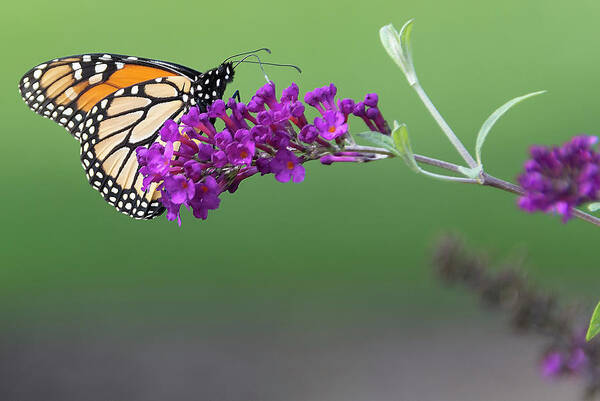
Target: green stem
444	125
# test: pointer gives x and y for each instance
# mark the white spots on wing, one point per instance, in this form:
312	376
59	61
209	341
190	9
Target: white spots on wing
70	124
40	98
78	74
132	58
37	74
135	89
106	57
120	92
78	117
35	86
103	103
68	111
92	130
87	58
88	123
76	66
214	93
120	65
219	82
100	67
50	106
94	110
26	79
206	82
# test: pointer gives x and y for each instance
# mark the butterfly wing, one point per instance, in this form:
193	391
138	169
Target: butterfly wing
66	89
115	127
112	104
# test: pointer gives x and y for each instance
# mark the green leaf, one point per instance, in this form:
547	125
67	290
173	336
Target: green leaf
594	328
397	44
402	142
489	123
594	206
379	139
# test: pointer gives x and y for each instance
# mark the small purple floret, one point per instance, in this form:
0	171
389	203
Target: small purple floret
287	166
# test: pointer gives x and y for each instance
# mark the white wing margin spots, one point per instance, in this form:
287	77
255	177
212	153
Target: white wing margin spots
53	89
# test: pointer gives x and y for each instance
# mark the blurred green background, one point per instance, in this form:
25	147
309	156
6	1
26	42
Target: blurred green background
346	250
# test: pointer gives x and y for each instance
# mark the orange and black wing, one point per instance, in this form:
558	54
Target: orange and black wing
66	89
112	104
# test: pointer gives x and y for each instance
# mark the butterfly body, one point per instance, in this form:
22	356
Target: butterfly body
112	104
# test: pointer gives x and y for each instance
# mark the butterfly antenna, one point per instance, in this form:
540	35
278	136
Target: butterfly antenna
250	52
260	63
275	64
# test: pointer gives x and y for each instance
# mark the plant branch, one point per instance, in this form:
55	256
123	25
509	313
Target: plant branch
486	179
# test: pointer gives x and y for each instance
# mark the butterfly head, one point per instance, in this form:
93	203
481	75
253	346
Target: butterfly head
211	85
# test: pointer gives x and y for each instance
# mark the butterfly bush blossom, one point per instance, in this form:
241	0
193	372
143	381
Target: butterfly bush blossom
557	179
197	162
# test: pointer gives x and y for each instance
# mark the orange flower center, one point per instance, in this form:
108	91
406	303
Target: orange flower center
290	165
332	129
204	188
243	154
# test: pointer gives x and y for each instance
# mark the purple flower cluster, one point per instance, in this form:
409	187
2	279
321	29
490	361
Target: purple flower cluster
557	179
197	161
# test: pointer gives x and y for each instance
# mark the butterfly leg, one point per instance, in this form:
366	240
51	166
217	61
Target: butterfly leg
235	95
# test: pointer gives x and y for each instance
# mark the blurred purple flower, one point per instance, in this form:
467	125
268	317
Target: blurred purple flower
560	178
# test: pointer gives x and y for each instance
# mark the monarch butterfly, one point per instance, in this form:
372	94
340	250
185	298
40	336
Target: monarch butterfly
112	104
